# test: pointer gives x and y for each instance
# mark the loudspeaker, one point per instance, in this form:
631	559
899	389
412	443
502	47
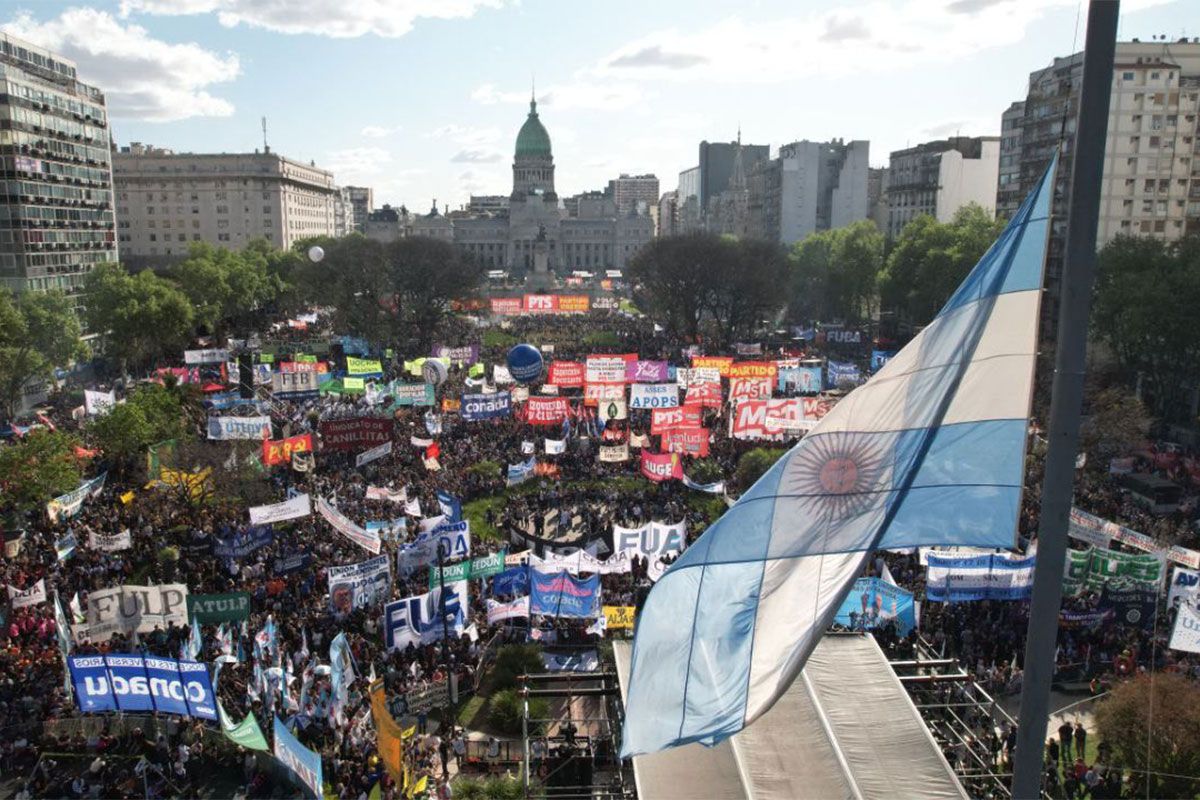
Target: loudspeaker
245	376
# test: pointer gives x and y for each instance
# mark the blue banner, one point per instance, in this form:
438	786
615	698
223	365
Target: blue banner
879	358
512	581
802	380
126	682
559	594
283	565
303	764
477	407
519	473
873	603
244	543
995	576
450	506
842	372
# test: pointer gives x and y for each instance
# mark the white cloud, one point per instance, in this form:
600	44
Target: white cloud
141	77
476	157
358	166
467	135
576	95
855	38
379	132
333	18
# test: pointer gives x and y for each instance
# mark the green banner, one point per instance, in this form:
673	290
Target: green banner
246	733
155	455
304	358
362	366
266	358
1095	566
209	608
481	567
476	371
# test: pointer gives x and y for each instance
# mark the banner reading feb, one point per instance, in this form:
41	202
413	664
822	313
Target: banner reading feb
280	451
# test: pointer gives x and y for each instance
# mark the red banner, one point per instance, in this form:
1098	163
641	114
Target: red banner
547	410
280	451
689	441
722	363
566	374
750	388
506	306
303	366
754	369
772	419
541	303
707	393
357	433
669	419
660	467
594	392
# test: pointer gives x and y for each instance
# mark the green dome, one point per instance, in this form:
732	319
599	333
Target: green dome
533	139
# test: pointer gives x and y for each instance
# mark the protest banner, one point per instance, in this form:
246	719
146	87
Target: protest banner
614	453
356	433
453	539
133	683
210	609
750	389
555	447
566	374
243	543
654	395
1185	636
605	369
211	356
688	441
1093	567
303	765
459	354
502	612
519	473
365	539
69	504
753	369
477	407
646	371
705	394
771	419
479	567
232	428
582	561
661	466
720	363
362	366
1185	584
412	394
357	586
375	453
295	385
1100	532
800	380
650	541
34	595
667	419
620	617
388	494
292	508
110	542
416	620
988	576
560	594
279	451
874	603
98	404
125	609
506	306
547	410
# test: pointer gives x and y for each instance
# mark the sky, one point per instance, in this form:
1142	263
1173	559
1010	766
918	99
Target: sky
422	99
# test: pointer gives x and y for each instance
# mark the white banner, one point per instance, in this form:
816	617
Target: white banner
1098	532
98	403
605	369
377	452
225	428
68	505
499	612
356	586
368	540
34	595
110	542
1186	634
1184	584
527	448
453	539
654	395
655	539
696	375
398	496
213	356
501	375
125	609
555	447
582	561
416	620
292	508
614	453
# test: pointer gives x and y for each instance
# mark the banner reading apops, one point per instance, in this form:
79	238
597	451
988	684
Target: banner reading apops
654	395
208	609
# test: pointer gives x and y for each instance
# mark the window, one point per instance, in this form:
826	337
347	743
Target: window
266	195
221	237
195	223
195	237
166	223
150	210
1126	76
182	237
266	223
1159	225
1149	187
154	237
222	209
195	209
266	209
222	223
1154	76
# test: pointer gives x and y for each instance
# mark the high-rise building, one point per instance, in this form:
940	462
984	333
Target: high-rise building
809	187
878	180
938	178
1150	187
1008	182
362	203
668	214
689	214
56	210
716	165
343	211
634	194
167	200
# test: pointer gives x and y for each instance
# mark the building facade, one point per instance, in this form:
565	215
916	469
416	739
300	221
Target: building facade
938	178
809	187
167	200
878	180
1008	172
362	203
1150	186
716	165
56	209
634	194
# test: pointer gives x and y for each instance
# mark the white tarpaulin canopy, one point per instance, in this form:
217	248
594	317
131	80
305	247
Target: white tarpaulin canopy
845	729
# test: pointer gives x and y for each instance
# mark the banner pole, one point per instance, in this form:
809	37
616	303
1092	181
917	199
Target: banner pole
1078	277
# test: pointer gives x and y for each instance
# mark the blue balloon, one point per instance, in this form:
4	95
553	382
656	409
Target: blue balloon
525	363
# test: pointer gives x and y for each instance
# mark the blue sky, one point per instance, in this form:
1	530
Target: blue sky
422	99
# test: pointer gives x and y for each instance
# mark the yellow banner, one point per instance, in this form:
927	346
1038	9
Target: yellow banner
361	366
619	616
388	734
353	384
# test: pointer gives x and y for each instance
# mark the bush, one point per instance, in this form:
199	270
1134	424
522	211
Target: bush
515	660
496	788
498	338
488	469
505	713
705	470
754	464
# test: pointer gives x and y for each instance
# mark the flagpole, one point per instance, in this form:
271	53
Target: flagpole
1078	277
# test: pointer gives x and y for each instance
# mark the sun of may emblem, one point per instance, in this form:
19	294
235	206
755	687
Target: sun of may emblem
838	475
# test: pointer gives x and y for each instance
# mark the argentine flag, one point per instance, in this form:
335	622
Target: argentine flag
930	451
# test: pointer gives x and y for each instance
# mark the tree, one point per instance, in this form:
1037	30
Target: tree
37	468
1152	724
149	415
754	464
1146	293
834	273
139	317
426	275
226	287
38	331
353	278
1117	424
930	259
